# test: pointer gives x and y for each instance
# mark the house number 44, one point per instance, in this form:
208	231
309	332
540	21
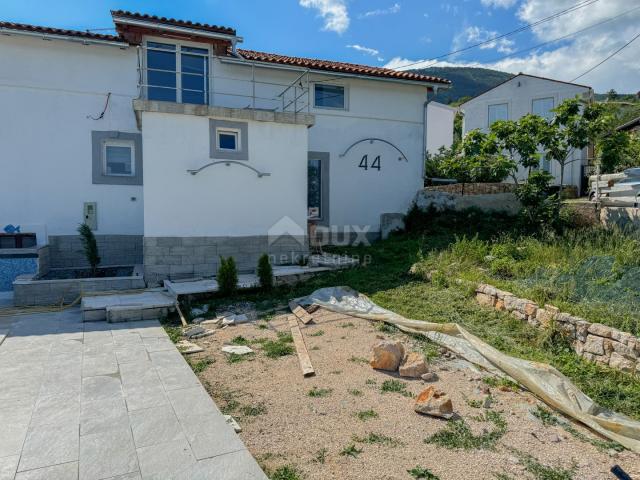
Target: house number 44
364	163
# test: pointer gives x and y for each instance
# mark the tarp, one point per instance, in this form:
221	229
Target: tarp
541	379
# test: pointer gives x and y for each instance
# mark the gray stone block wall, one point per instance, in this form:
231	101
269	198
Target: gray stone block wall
66	251
184	257
44	260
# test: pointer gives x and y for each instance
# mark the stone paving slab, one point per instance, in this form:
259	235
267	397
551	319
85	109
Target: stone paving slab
97	401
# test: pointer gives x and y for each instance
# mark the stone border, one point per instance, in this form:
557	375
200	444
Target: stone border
594	342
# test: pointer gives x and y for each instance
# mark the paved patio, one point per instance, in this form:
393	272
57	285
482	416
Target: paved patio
107	401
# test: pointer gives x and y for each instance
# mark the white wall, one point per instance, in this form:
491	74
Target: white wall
221	200
519	93
439	126
47	90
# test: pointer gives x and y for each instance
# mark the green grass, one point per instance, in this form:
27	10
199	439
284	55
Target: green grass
280	347
351	451
378	439
501	382
395	386
318	333
355	359
239	340
458	435
544	472
316	392
199	366
253	410
321	456
387	282
420	473
365	415
286	472
237	358
355	392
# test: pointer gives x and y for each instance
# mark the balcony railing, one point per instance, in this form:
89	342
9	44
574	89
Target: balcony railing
235	84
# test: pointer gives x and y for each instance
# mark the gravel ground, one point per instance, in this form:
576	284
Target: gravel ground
283	425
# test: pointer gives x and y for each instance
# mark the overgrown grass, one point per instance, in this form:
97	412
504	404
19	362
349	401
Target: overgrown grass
199	366
280	347
286	472
458	435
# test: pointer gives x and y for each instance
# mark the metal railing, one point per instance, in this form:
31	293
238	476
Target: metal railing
220	88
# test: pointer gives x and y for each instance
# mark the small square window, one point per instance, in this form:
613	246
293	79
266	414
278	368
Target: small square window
228	140
119	158
329	96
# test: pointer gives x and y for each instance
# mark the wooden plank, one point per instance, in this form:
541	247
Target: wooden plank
184	322
301	348
300	312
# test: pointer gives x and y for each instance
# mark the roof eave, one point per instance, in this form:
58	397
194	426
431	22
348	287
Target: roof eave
58	36
176	29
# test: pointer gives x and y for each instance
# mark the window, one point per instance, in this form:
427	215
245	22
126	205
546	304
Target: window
314	188
329	96
498	112
543	107
228	140
119	158
177	73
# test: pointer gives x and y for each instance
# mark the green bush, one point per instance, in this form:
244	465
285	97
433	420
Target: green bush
265	272
90	247
504	267
227	276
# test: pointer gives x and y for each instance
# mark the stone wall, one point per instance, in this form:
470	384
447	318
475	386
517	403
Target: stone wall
621	217
184	257
66	251
441	201
592	341
474	188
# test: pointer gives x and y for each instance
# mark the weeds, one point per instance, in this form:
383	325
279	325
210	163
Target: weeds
355	392
279	348
355	359
365	415
199	366
239	340
321	456
347	325
286	472
377	439
544	472
386	327
458	435
254	410
237	358
316	392
421	473
318	333
395	386
351	451
501	383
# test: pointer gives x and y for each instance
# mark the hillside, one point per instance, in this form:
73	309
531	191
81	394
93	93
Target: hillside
467	81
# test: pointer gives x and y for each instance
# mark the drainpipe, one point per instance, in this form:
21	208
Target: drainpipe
424	135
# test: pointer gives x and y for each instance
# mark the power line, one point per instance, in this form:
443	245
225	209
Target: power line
609	57
512	32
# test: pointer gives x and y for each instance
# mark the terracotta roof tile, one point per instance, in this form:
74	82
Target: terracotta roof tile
172	21
342	67
59	31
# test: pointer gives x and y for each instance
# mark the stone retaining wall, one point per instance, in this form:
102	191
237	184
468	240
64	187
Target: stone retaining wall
474	188
441	201
66	251
592	341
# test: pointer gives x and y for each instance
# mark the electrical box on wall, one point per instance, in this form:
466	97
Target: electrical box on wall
90	214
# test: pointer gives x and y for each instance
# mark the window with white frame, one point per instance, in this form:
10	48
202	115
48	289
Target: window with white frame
497	112
329	96
177	73
543	107
119	158
228	139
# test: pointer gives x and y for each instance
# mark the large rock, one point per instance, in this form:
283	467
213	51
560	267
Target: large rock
600	330
484	299
387	355
620	362
413	366
434	402
594	345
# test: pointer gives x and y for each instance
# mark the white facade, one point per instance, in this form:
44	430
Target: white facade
440	119
516	98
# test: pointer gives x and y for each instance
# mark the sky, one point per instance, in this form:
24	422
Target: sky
401	34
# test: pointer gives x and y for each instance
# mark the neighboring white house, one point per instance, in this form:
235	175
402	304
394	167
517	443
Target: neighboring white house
518	96
178	147
440	119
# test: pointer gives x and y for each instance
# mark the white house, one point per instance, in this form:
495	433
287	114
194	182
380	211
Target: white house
440	119
518	96
177	147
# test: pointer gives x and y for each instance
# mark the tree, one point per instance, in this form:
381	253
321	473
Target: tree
265	272
539	207
227	277
90	247
612	95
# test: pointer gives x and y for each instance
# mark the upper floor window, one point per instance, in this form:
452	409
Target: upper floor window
177	73
228	139
119	158
329	96
543	107
497	112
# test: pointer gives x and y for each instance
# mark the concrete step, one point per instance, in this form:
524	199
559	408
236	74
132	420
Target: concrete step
127	307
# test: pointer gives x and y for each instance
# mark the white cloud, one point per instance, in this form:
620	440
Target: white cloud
498	3
395	8
334	13
479	34
575	55
369	51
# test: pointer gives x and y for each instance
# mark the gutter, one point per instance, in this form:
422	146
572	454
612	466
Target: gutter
68	38
183	30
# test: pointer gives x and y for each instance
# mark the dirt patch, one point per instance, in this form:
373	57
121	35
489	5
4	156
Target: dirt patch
350	421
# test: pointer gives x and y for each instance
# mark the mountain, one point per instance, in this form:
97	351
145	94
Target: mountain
467	81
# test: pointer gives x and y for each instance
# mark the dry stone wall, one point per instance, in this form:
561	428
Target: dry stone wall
592	341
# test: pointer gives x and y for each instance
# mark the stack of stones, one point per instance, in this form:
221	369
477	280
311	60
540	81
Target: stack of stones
592	341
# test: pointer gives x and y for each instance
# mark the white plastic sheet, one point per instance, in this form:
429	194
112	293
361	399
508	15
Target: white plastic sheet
543	380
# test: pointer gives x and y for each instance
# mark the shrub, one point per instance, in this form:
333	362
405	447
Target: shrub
504	267
90	247
227	276
265	272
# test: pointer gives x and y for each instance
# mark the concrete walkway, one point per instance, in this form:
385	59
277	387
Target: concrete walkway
107	401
